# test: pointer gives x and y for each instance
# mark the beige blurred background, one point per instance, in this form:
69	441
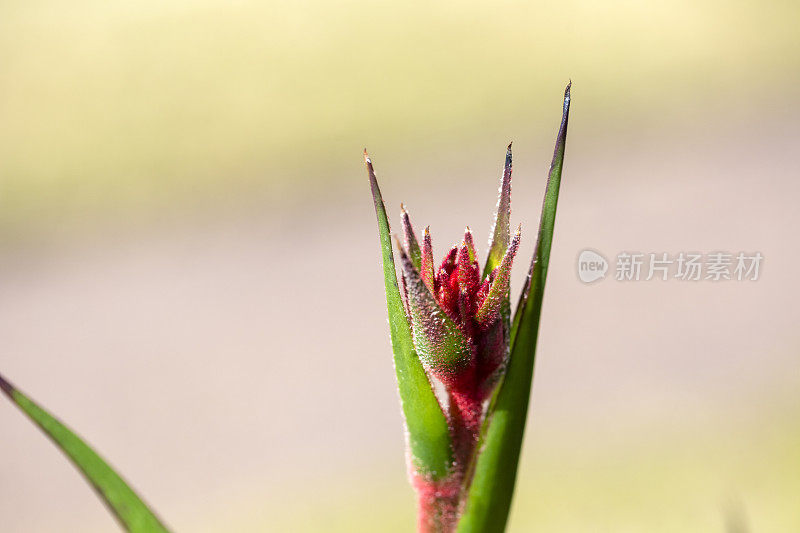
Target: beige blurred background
190	276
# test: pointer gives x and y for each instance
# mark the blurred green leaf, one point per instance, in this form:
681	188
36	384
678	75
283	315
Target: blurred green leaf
427	431
495	472
126	506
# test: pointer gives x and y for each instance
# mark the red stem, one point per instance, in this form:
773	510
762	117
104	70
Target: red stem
437	504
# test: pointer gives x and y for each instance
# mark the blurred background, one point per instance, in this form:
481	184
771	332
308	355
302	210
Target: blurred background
190	274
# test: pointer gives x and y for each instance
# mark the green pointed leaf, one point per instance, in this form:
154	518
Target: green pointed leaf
426	425
495	471
126	506
501	232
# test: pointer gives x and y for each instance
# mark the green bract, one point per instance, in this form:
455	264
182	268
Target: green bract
426	427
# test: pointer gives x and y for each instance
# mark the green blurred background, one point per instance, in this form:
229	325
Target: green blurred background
116	105
181	192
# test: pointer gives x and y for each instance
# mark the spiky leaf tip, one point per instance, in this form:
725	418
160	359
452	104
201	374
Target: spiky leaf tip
501	229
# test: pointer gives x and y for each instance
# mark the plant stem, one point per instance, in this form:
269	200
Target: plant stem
437	504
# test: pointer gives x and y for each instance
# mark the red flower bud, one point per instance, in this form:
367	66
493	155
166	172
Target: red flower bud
458	318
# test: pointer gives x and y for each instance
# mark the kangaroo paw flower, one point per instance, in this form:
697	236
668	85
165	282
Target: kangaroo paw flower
459	318
452	333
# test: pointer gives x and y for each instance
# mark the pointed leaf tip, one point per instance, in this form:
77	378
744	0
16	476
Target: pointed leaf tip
373	183
469	241
501	232
428	268
410	239
5	386
544	239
